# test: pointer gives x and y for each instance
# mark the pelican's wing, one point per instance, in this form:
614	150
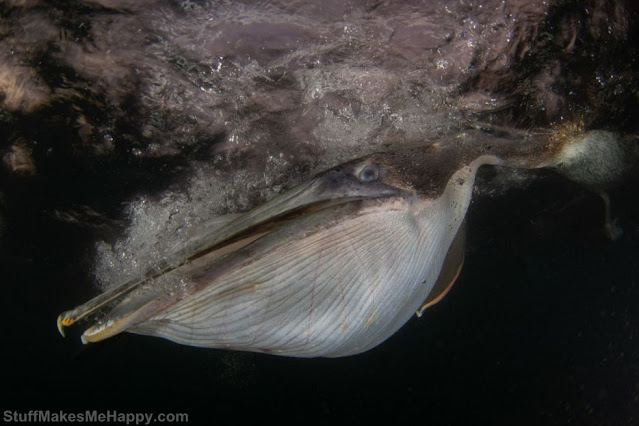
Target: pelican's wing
450	271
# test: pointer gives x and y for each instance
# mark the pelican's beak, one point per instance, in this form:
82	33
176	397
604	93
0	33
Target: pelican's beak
137	300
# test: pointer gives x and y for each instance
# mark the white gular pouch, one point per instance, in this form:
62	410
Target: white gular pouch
332	290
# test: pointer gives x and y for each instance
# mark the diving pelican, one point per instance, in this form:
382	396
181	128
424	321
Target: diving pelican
338	264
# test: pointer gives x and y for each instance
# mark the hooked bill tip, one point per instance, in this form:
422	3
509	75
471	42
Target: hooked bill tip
61	325
64	320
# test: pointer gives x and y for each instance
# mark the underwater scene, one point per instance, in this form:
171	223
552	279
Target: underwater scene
301	210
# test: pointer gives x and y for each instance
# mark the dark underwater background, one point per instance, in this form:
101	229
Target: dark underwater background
541	328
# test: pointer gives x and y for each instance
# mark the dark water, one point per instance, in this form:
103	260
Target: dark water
541	328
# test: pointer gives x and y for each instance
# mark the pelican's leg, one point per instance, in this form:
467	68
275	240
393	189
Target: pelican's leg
613	231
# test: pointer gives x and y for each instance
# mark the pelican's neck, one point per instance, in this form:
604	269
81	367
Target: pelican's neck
459	188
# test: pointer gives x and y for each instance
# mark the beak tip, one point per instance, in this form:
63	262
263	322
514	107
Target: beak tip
99	331
61	325
89	335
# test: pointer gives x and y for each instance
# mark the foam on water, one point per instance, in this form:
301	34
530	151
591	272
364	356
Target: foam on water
270	94
160	224
289	90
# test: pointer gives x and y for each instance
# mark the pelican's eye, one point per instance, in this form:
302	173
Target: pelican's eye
370	173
